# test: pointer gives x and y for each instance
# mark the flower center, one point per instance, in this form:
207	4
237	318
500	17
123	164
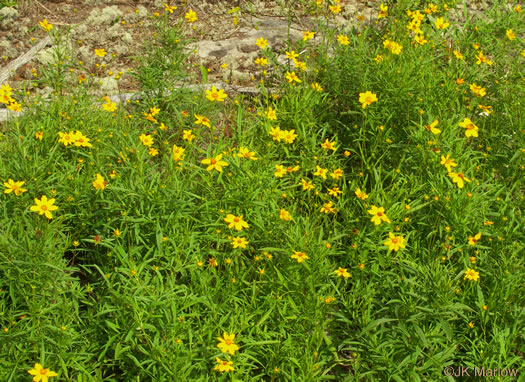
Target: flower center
395	241
236	220
213	161
43	371
460	175
215	95
470	127
379	213
228	342
43	208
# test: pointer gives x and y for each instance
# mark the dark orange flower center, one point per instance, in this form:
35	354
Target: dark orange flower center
43	208
213	161
236	220
394	241
379	213
43	371
228	342
460	175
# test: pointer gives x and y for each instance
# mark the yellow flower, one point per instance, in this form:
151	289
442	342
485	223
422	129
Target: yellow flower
510	34
280	171
342	272
190	16
288	136
328	208
307	185
276	133
395	243
169	8
44	206
518	9
343	40
481	58
327	145
441	24
335	191
271	114
236	222
100	52
361	194
336	174
45	25
216	95
109	106
153	151
486	109
99	183
12	186
458	178
261	61
39	135
292	77
215	163
285	215
147	140
320	172
378	215
178	153
382	11
307	35
318	88
299	256
336	9
246	153
40	374
188	135
367	98
448	162
14	106
223	366
472	240
291	55
239	242
458	55
200	120
432	127
261	42
471	274
226	343
472	130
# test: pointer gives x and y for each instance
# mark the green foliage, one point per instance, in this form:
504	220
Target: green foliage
136	274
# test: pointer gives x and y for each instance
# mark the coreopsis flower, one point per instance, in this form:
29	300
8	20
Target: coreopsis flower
99	183
318	88
327	145
518	9
458	55
14	187
288	136
382	11
419	38
460	81
200	120
261	42
109	106
361	194
14	106
246	153
299	256
367	98
471	129
379	215
342	272
471	274
307	185
481	58
276	133
334	191
169	8
271	114
393	46
292	78
146	139
45	25
215	163
236	222
188	135
459	178
307	35
262	61
190	16
472	240
510	34
343	40
319	171
328	208
487	110
291	55
80	140
441	23
178	153
336	9
44	207
153	151
448	162
223	365
285	215
280	171
39	135
66	138
100	52
226	343
5	94
337	174
216	95
239	242
432	127
395	243
40	374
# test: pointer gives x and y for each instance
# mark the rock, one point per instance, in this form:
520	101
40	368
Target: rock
109	85
106	17
7	17
8	49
